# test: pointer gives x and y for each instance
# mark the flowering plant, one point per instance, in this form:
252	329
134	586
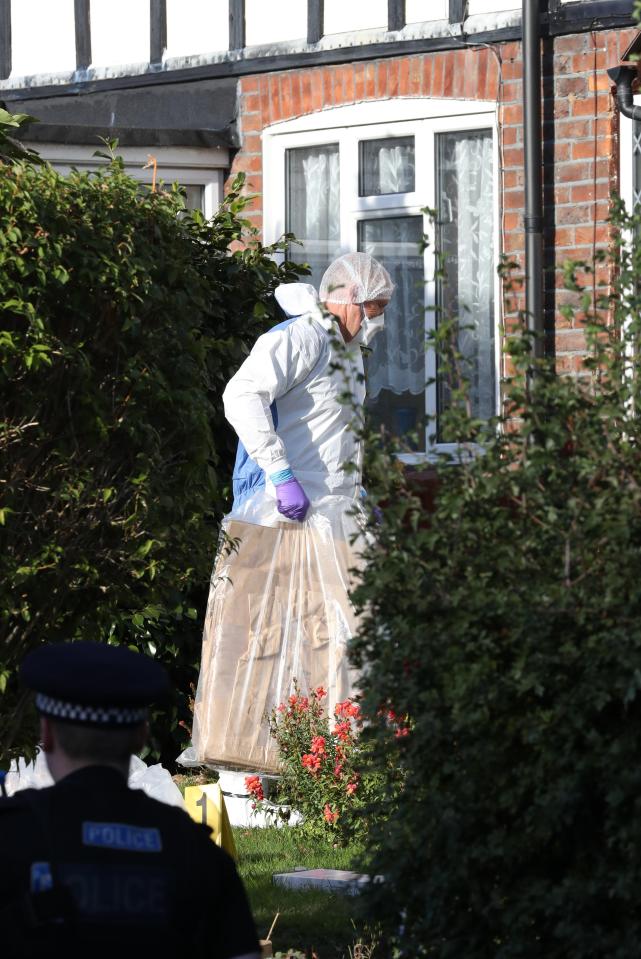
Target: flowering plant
324	763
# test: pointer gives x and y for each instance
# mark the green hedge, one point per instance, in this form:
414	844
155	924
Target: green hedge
506	626
122	319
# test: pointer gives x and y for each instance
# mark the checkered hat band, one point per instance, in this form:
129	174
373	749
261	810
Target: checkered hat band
100	715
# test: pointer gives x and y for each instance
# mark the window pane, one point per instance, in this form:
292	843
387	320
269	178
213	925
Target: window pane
386	166
313	206
396	365
465	238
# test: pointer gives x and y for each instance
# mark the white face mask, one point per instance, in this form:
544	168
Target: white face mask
369	327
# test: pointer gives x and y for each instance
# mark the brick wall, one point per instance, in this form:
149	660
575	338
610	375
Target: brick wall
580	138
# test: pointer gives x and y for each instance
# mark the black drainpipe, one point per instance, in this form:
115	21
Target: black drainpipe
624	77
533	220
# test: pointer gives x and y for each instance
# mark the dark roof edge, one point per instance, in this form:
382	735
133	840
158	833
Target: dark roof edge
127	136
558	26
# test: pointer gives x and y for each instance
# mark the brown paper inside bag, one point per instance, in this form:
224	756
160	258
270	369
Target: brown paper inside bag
278	610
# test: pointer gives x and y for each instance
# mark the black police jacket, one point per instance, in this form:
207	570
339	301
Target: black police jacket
91	868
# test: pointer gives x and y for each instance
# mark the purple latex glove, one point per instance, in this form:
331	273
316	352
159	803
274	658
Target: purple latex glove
291	499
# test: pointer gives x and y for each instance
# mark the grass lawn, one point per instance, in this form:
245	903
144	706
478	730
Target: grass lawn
309	921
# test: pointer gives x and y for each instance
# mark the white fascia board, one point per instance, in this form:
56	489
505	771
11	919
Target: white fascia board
175	158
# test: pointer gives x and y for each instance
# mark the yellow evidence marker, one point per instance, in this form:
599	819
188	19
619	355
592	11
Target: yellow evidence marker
206	804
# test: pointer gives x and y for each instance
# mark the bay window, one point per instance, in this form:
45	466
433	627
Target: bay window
364	178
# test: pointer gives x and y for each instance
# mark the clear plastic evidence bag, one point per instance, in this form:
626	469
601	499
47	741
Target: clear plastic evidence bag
278	611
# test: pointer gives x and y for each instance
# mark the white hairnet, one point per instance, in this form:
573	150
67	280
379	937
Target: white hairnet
355	278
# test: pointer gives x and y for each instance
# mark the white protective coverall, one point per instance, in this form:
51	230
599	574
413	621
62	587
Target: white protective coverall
279	608
299	374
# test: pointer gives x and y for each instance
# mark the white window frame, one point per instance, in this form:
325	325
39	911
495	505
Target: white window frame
188	166
424	119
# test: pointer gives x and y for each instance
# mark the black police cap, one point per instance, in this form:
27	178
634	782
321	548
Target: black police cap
94	684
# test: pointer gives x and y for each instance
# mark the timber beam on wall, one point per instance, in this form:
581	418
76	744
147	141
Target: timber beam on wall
315	19
236	24
157	31
82	21
5	39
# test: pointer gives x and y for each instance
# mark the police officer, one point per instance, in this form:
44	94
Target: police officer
89	867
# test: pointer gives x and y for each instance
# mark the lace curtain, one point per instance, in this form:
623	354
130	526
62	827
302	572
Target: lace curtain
313	206
466	232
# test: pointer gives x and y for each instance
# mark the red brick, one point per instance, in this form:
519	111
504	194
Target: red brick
601	103
561	194
512	92
570	341
286	99
471	74
566	172
437	75
573	129
512	179
251	103
564	86
370	81
251	122
250	84
575	43
512	70
381	79
491	90
348	83
481	73
512	114
306	100
265	103
448	75
599	81
359	82
297	100
328	87
404	77
599	234
587	62
252	143
513	157
339	85
588	149
392	86
428	60
316	90
512	221
513	200
564	236
415	76
275	112
582	193
248	164
511	135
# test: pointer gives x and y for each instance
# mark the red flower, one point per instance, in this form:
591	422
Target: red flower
303	704
338	770
320	692
318	745
281	708
293	700
342	730
254	787
311	762
402	731
351	788
330	816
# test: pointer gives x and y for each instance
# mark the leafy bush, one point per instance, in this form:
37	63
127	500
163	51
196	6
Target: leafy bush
506	622
319	758
122	319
